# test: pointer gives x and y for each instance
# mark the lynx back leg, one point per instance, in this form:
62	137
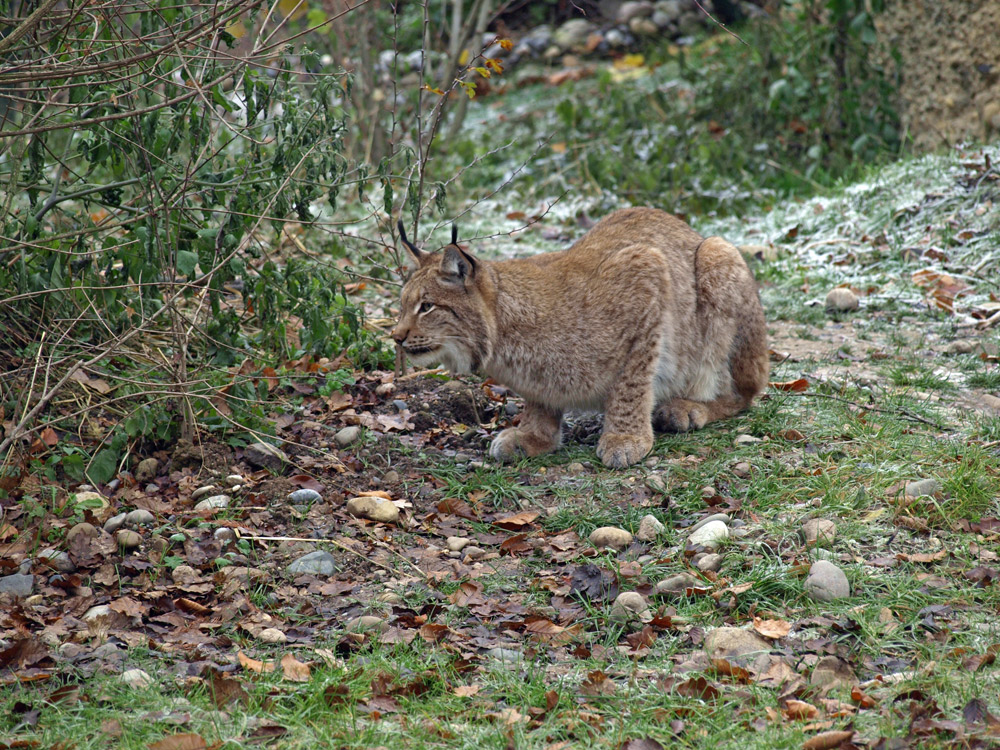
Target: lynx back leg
735	336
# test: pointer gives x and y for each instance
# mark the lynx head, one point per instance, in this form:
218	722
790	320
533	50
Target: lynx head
441	318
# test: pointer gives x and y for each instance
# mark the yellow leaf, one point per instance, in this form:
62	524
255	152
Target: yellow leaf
439	92
507	44
463	57
482	71
494	65
237	29
559	148
629	61
292	8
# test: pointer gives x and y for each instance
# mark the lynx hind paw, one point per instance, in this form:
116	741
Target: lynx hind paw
618	450
681	415
506	446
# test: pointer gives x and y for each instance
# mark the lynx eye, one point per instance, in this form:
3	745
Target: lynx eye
425	307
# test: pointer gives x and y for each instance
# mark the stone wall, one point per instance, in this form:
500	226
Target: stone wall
949	68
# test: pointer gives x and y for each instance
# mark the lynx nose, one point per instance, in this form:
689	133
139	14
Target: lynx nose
399	334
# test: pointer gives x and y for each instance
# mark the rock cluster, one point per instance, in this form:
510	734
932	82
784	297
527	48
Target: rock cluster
634	21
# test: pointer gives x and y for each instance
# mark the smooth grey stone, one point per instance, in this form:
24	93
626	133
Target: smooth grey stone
202	491
114	523
305	495
923	487
826	582
139	517
57	560
152	489
678	584
17	584
318	563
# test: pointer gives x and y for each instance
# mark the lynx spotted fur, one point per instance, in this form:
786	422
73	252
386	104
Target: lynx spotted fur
642	319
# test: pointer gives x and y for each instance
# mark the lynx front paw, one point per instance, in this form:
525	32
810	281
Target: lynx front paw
506	446
681	415
618	449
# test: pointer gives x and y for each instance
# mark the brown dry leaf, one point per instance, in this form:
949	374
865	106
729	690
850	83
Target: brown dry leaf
862	698
796	710
185	741
260	667
699	687
467	594
773	629
517	521
294	670
777	674
433	632
338	401
466	691
977	662
97	384
49	437
456	507
225	690
597	683
373	493
796	386
792	435
827	740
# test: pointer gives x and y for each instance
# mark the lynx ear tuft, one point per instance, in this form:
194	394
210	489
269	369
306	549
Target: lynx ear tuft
457	264
454	234
417	255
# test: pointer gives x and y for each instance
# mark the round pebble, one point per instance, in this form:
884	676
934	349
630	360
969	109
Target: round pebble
128	539
709	536
374	509
215	502
610	537
305	495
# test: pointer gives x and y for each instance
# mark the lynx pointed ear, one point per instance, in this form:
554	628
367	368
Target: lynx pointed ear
454	234
458	264
417	255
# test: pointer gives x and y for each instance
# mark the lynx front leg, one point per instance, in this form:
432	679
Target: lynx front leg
540	431
628	431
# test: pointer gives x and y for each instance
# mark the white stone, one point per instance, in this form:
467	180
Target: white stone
709	536
215	502
136	678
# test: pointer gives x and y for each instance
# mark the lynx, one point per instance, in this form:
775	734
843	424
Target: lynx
642	319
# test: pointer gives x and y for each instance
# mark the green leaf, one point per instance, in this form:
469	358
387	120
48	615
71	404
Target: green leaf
186	262
103	466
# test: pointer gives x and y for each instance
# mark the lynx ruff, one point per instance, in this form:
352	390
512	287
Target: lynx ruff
642	319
